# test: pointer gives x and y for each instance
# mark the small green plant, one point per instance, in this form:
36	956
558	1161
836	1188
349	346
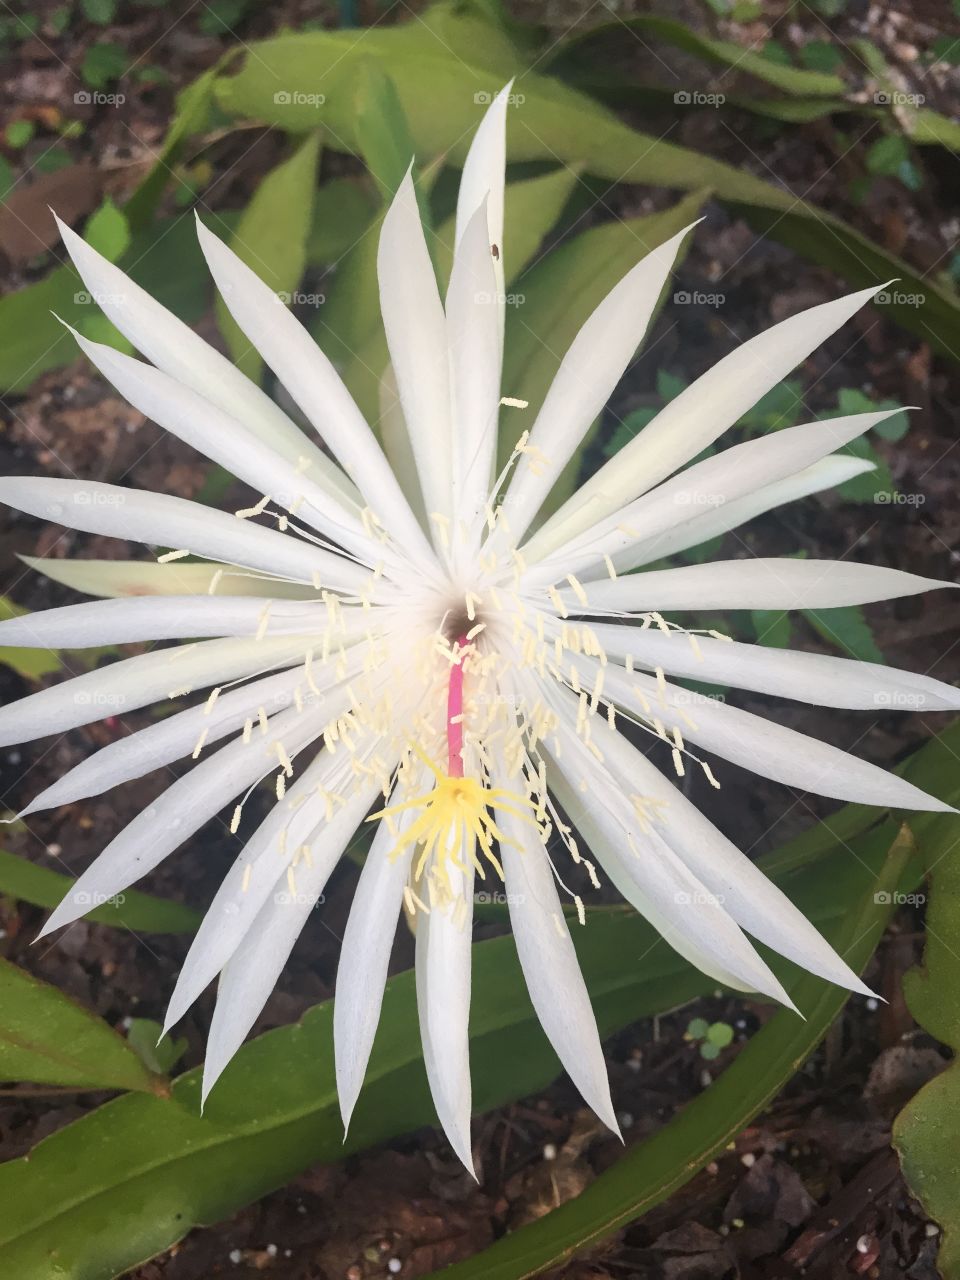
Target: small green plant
710	1036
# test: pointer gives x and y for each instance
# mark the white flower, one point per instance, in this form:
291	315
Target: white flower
399	642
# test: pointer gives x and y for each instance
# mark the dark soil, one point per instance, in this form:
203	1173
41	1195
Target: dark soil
814	1187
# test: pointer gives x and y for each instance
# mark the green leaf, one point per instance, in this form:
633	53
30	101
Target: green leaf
7	180
383	136
107	231
771	628
703	1129
157	1052
45	1038
100	12
141	912
459	61
19	132
886	155
32	664
926	1132
342	210
221	16
190	1170
820	55
560	291
166	261
271	237
720	1034
103	63
846	629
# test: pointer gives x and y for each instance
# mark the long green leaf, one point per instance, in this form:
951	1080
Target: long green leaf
141	912
45	1038
648	1173
443	91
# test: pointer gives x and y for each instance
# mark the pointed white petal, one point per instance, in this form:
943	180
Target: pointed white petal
315	386
364	958
722	478
828	473
647	872
192	418
251	972
776	583
483	180
171	739
173	347
761	745
550	966
698	415
818	678
443	956
588	374
474	346
78	626
751	899
162	520
179	578
136	682
182	809
416	335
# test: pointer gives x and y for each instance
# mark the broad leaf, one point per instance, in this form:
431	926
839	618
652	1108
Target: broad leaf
45	1038
141	912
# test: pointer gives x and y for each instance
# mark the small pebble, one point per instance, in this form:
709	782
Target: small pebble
873	1005
549	1151
394	1266
748	1159
235	1256
931	1230
864	1244
272	1250
625	1120
713	1168
54	850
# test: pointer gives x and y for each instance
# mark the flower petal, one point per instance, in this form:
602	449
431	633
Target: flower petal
817	678
171	739
747	894
483	179
724	477
443	957
829	472
473	342
550	966
251	972
182	809
698	415
416	335
173	347
163	520
364	959
113	578
315	386
588	374
756	583
136	682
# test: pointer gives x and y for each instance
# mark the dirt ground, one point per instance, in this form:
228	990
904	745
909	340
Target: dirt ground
813	1188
